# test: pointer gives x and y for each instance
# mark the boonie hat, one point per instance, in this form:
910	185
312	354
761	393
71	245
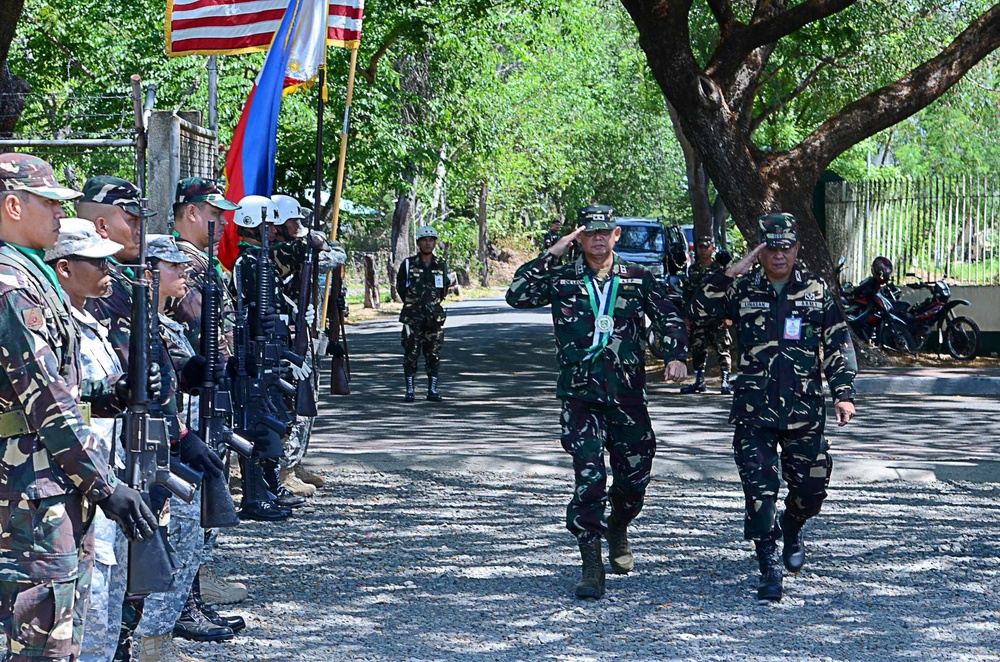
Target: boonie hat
596	217
163	247
78	236
25	172
426	231
199	189
107	190
779	230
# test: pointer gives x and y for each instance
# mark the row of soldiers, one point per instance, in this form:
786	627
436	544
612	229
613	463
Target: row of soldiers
76	506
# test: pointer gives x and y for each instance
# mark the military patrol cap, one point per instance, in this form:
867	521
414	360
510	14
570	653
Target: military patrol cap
163	247
107	190
779	230
596	217
78	236
706	240
25	172
199	189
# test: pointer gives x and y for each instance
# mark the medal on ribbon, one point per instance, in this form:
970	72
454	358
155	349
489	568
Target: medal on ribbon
602	304
604	323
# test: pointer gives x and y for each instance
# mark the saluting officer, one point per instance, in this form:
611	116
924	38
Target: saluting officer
422	283
52	471
599	306
785	316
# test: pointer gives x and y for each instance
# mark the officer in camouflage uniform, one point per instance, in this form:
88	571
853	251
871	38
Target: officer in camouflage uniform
552	236
790	329
422	283
52	471
705	334
599	306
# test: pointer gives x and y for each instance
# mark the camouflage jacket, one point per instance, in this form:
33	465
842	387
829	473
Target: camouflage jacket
57	455
695	278
617	375
550	238
422	286
785	340
179	349
187	310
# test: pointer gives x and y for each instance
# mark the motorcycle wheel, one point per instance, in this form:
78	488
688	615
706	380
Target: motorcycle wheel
894	336
962	338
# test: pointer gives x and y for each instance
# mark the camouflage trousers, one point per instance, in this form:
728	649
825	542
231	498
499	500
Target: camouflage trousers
424	335
806	466
626	433
107	592
704	336
296	441
186	539
46	561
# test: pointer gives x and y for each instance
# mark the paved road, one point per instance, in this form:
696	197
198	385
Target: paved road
439	535
498	377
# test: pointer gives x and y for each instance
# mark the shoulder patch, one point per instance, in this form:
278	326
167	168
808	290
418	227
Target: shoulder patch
34	318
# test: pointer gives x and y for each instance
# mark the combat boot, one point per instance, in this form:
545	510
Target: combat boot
793	554
272	481
726	388
699	385
769	589
592	583
217	591
410	392
310	477
432	389
163	649
292	483
234	623
195	626
257	504
619	552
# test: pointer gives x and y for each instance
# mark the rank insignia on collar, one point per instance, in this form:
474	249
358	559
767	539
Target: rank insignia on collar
34	318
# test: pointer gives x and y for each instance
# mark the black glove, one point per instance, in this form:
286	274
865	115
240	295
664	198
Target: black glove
126	507
723	257
269	321
154	382
192	375
197	455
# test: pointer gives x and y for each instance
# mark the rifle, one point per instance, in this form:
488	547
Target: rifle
340	361
215	405
305	396
147	442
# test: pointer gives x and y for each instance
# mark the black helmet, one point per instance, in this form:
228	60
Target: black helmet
882	269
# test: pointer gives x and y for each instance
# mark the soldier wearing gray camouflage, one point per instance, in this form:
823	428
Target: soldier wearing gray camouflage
790	330
422	284
52	471
704	334
599	306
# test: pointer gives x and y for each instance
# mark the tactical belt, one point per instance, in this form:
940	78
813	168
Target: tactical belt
15	424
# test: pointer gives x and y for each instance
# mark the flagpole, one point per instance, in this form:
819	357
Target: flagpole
338	189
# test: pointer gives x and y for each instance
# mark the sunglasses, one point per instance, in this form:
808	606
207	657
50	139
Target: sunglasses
599	233
99	262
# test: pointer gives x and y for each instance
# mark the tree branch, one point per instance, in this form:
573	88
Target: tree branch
783	23
723	12
895	102
369	72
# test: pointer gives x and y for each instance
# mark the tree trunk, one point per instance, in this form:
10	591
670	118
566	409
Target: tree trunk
399	247
372	296
12	88
697	181
484	238
437	193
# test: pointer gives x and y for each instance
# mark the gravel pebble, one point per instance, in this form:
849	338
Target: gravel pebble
437	565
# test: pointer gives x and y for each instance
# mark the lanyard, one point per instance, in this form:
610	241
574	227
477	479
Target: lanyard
602	303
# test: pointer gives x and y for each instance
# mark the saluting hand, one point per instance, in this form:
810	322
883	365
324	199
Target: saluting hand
675	371
564	243
746	263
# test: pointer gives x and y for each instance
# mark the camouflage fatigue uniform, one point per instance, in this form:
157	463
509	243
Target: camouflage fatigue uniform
422	286
184	533
107	591
706	333
550	238
51	474
604	397
187	310
778	397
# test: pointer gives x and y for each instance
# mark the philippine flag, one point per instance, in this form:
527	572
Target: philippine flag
296	52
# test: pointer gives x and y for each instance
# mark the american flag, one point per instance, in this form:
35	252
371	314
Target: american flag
227	27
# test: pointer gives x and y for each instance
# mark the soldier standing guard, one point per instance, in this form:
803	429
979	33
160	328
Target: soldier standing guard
422	283
784	317
51	470
552	236
706	333
599	305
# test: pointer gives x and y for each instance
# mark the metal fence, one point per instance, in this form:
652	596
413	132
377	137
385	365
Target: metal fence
934	228
79	135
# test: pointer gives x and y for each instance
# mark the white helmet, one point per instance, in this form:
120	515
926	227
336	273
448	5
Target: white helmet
288	208
426	231
253	208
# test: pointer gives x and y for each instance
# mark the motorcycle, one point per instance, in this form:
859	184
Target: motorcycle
875	316
959	335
